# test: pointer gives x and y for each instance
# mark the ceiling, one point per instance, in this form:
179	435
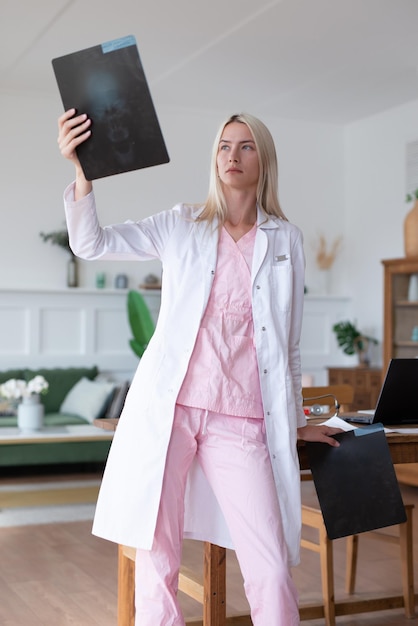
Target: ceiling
324	60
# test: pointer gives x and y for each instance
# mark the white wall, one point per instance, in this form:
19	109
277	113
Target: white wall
320	180
375	173
33	176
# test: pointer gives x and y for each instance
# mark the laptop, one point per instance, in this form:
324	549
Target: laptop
108	82
398	399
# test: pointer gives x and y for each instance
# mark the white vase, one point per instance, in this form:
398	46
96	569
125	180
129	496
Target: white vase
30	414
324	282
413	288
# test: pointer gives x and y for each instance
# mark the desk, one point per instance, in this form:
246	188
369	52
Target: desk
403	449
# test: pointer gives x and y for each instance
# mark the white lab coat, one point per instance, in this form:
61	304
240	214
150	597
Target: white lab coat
130	492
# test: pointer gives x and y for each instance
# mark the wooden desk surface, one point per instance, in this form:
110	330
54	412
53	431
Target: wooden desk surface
403	447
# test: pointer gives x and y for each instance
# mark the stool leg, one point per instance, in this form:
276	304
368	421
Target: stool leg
405	536
126	589
351	563
214	585
327	575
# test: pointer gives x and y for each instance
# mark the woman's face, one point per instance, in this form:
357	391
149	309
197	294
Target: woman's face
237	159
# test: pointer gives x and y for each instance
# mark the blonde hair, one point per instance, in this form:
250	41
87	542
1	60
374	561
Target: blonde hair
267	188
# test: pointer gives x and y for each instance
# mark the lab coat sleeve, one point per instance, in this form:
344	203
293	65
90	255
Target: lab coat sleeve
141	240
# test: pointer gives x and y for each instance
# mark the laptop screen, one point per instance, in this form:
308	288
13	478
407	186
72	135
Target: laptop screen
398	398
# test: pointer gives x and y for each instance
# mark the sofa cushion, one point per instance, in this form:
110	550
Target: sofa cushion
88	399
60	380
7	374
115	406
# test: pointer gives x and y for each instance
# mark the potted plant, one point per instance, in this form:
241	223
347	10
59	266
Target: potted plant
352	341
60	238
140	321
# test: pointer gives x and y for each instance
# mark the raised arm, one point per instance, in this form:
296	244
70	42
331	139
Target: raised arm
73	130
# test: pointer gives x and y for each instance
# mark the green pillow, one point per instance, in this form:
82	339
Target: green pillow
60	380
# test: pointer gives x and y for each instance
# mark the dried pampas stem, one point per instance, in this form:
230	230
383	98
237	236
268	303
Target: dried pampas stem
325	259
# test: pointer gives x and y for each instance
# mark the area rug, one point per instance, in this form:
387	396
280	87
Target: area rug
47	502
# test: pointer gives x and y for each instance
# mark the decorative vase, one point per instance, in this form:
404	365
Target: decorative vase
72	273
361	346
411	232
413	288
30	414
324	282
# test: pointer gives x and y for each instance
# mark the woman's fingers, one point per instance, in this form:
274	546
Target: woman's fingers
319	433
72	131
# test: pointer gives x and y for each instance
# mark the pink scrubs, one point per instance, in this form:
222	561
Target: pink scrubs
219	419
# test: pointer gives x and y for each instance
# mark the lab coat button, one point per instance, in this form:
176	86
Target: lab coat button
263	328
257	287
264	371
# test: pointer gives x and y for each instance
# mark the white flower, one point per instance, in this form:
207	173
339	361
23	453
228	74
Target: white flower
37	385
14	389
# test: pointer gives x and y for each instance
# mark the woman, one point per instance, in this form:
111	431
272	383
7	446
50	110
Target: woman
206	444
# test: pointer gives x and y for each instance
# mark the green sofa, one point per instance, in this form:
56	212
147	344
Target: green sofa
61	382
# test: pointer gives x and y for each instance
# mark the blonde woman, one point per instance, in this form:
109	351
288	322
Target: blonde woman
206	444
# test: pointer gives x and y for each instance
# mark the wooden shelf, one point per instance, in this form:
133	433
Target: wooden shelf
400	314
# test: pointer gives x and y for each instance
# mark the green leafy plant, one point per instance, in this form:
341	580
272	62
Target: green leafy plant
350	339
141	322
411	197
58	238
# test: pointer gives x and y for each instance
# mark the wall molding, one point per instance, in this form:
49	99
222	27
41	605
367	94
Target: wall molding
69	328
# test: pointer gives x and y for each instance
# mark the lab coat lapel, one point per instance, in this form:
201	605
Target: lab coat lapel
207	236
264	223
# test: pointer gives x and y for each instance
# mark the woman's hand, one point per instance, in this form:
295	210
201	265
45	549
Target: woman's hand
73	130
320	433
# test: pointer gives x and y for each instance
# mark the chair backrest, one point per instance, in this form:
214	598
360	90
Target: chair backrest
327	395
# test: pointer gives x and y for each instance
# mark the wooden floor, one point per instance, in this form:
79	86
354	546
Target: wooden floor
59	575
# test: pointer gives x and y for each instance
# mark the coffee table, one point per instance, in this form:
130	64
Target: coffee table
77	443
54	434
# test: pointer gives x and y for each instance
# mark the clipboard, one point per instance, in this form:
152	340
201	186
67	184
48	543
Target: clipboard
108	83
356	483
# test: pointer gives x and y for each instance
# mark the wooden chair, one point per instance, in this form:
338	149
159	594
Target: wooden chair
312	517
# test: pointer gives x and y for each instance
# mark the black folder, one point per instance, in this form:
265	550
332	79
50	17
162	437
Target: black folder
356	483
108	83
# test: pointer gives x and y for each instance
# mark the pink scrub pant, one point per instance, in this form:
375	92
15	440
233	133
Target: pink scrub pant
233	455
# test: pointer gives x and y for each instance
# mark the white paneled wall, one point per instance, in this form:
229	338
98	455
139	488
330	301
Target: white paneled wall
318	345
69	328
75	327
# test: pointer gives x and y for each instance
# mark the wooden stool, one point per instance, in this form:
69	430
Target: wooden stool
312	517
209	591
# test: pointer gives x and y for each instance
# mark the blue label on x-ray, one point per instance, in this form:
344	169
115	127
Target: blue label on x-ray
367	430
116	44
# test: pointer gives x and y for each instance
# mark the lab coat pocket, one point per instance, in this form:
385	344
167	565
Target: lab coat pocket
281	279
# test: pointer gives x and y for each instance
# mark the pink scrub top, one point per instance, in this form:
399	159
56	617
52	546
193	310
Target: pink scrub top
223	373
